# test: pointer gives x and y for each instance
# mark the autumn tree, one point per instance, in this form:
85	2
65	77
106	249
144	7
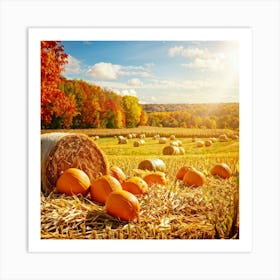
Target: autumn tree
132	110
57	109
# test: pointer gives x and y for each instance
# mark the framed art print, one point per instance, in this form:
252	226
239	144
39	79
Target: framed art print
141	139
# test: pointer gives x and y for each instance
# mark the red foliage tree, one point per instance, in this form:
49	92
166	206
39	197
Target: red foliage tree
57	109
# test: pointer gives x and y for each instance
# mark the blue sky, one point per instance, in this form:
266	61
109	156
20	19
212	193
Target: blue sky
158	71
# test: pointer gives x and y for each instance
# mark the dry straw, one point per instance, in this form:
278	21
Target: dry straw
60	151
172	211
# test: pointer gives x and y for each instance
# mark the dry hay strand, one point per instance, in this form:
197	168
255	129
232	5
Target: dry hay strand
60	151
153	164
167	212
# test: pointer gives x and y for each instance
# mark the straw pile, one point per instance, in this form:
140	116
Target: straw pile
167	212
60	151
139	143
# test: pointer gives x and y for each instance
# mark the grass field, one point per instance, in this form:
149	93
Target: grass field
168	212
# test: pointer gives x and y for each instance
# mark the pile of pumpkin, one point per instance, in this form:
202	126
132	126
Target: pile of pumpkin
119	193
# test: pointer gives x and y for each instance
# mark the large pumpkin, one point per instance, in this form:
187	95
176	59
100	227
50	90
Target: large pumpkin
222	170
194	178
102	187
181	172
155	178
135	185
123	205
118	173
73	181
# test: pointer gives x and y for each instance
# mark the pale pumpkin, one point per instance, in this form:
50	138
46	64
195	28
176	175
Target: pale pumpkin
123	205
194	178
135	185
73	181
222	170
102	187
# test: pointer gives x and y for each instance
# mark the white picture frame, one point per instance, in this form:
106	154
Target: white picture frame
259	261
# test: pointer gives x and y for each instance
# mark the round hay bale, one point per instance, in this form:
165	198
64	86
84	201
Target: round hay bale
154	164
60	151
172	137
138	143
199	143
223	138
162	140
174	144
208	143
213	139
171	150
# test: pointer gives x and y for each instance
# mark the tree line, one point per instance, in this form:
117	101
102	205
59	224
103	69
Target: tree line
210	115
79	104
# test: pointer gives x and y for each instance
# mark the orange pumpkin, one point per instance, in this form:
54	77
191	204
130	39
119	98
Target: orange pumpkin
222	170
118	173
155	178
135	185
73	181
181	172
194	178
102	187
123	205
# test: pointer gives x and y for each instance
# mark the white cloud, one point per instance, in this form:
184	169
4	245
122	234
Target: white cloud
104	71
135	82
188	52
109	71
202	59
73	66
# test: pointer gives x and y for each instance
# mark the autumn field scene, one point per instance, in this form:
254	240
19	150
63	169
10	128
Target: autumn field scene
138	146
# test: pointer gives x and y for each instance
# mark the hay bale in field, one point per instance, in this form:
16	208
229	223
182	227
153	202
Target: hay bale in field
122	140
174	144
162	140
199	143
172	137
141	136
223	138
154	164
213	139
129	136
138	143
155	137
60	151
208	143
234	137
171	150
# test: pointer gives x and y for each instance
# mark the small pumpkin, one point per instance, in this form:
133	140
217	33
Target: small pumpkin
194	178
123	205
222	170
118	173
135	185
181	172
155	178
73	181
102	187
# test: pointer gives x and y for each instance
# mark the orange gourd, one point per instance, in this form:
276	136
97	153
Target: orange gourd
222	170
155	178
102	187
181	172
73	181
118	173
123	205
194	178
135	185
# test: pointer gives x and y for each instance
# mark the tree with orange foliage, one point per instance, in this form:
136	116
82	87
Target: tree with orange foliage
57	109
